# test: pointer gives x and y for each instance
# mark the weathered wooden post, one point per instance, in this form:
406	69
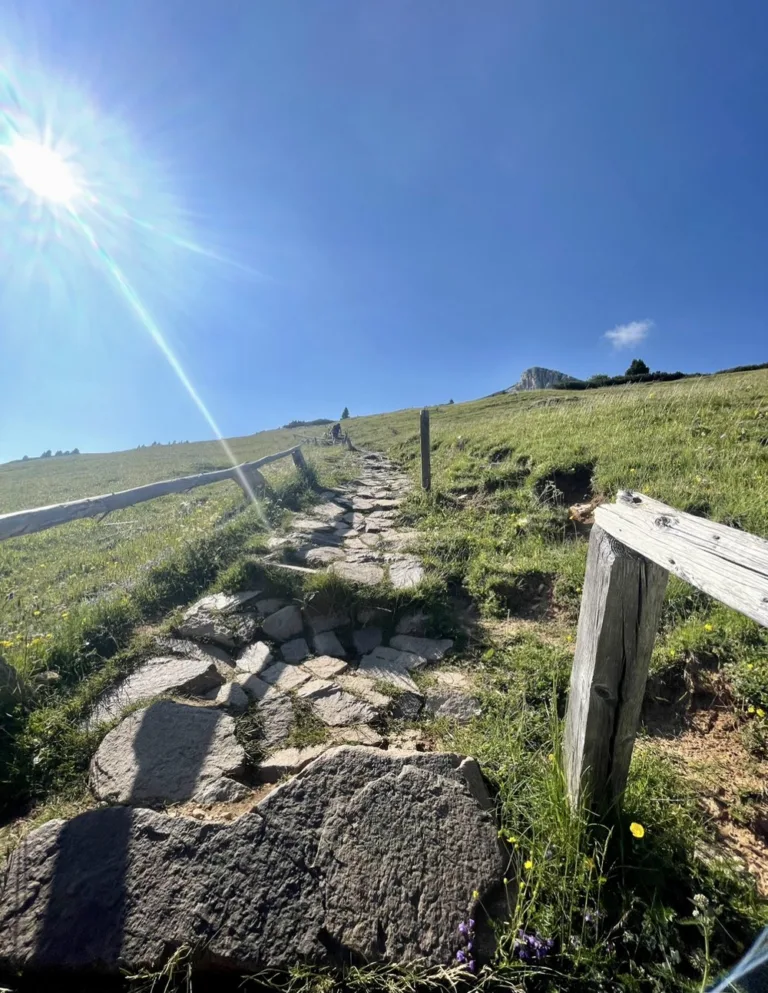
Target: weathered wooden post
426	469
298	460
620	612
252	478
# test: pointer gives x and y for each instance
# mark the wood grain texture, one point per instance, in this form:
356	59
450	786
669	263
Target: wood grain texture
729	565
41	518
620	612
426	467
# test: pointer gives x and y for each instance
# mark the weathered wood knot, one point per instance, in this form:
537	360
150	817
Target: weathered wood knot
627	496
663	521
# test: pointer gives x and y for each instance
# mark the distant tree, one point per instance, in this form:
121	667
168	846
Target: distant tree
75	451
57	453
345	414
638	368
46	455
450	401
25	458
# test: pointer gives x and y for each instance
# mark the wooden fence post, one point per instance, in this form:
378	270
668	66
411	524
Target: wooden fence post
426	469
298	460
620	611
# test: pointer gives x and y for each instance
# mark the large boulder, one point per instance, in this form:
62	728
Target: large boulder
165	674
219	618
165	753
284	624
292	882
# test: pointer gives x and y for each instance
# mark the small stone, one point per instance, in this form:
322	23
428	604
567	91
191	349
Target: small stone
323	556
285	677
255	658
412	624
230	696
295	651
255	688
370	540
287	762
366	639
405	572
392	671
216	618
222	791
355	520
357	734
284	624
432	649
457	706
326	622
335	707
328	644
365	573
408	660
325	667
407	706
187	649
269	606
278	719
363	688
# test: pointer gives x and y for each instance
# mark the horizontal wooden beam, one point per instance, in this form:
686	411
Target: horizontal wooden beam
41	518
729	565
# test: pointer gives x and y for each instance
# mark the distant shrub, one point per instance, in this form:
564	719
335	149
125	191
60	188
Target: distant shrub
318	422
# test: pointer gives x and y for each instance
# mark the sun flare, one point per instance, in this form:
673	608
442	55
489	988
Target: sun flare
42	170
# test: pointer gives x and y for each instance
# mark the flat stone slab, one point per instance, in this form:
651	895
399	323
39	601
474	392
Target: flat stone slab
255	658
409	660
164	754
451	703
295	651
366	639
216	618
364	688
392	671
405	572
335	707
185	648
276	713
113	889
155	678
432	649
326	667
254	687
365	573
323	556
284	624
326	643
284	676
287	762
357	734
230	696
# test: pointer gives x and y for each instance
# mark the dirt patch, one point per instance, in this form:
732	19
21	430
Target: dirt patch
567	486
731	784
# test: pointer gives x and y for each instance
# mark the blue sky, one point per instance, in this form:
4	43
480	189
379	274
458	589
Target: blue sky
429	196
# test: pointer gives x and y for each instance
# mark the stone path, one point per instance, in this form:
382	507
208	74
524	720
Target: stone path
354	531
213	723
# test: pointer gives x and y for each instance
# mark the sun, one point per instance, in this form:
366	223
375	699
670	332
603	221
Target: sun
42	170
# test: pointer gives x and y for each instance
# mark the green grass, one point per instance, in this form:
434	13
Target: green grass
619	909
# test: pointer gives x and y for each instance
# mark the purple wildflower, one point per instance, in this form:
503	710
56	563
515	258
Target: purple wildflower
471	924
472	965
463	929
460	956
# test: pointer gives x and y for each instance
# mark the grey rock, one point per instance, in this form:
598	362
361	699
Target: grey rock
187	649
226	603
114	889
366	639
325	667
255	688
230	696
269	606
393	670
276	713
450	703
365	573
409	660
156	677
538	378
336	707
327	643
432	649
295	651
164	754
407	706
364	689
317	557
367	615
405	572
412	624
326	622
222	791
255	658
356	734
202	622
284	676
287	762
284	624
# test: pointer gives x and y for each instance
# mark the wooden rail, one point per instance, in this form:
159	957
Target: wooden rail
426	467
634	545
41	518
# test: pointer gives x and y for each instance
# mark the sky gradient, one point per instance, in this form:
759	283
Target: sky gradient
424	197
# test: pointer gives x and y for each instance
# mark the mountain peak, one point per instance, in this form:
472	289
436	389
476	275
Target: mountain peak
538	378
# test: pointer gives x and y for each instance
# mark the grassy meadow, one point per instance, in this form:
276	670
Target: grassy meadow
660	896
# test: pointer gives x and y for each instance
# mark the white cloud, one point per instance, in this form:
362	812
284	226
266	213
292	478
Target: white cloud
626	335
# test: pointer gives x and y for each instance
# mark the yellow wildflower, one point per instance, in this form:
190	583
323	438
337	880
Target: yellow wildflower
760	712
750	709
707	627
589	863
35	613
475	894
65	614
636	830
632	471
528	864
551	757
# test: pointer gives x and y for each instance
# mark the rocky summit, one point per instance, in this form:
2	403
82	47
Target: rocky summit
364	856
538	378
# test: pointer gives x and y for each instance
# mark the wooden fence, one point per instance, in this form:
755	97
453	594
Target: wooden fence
634	545
247	476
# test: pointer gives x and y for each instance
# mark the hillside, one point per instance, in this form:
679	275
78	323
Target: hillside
503	536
